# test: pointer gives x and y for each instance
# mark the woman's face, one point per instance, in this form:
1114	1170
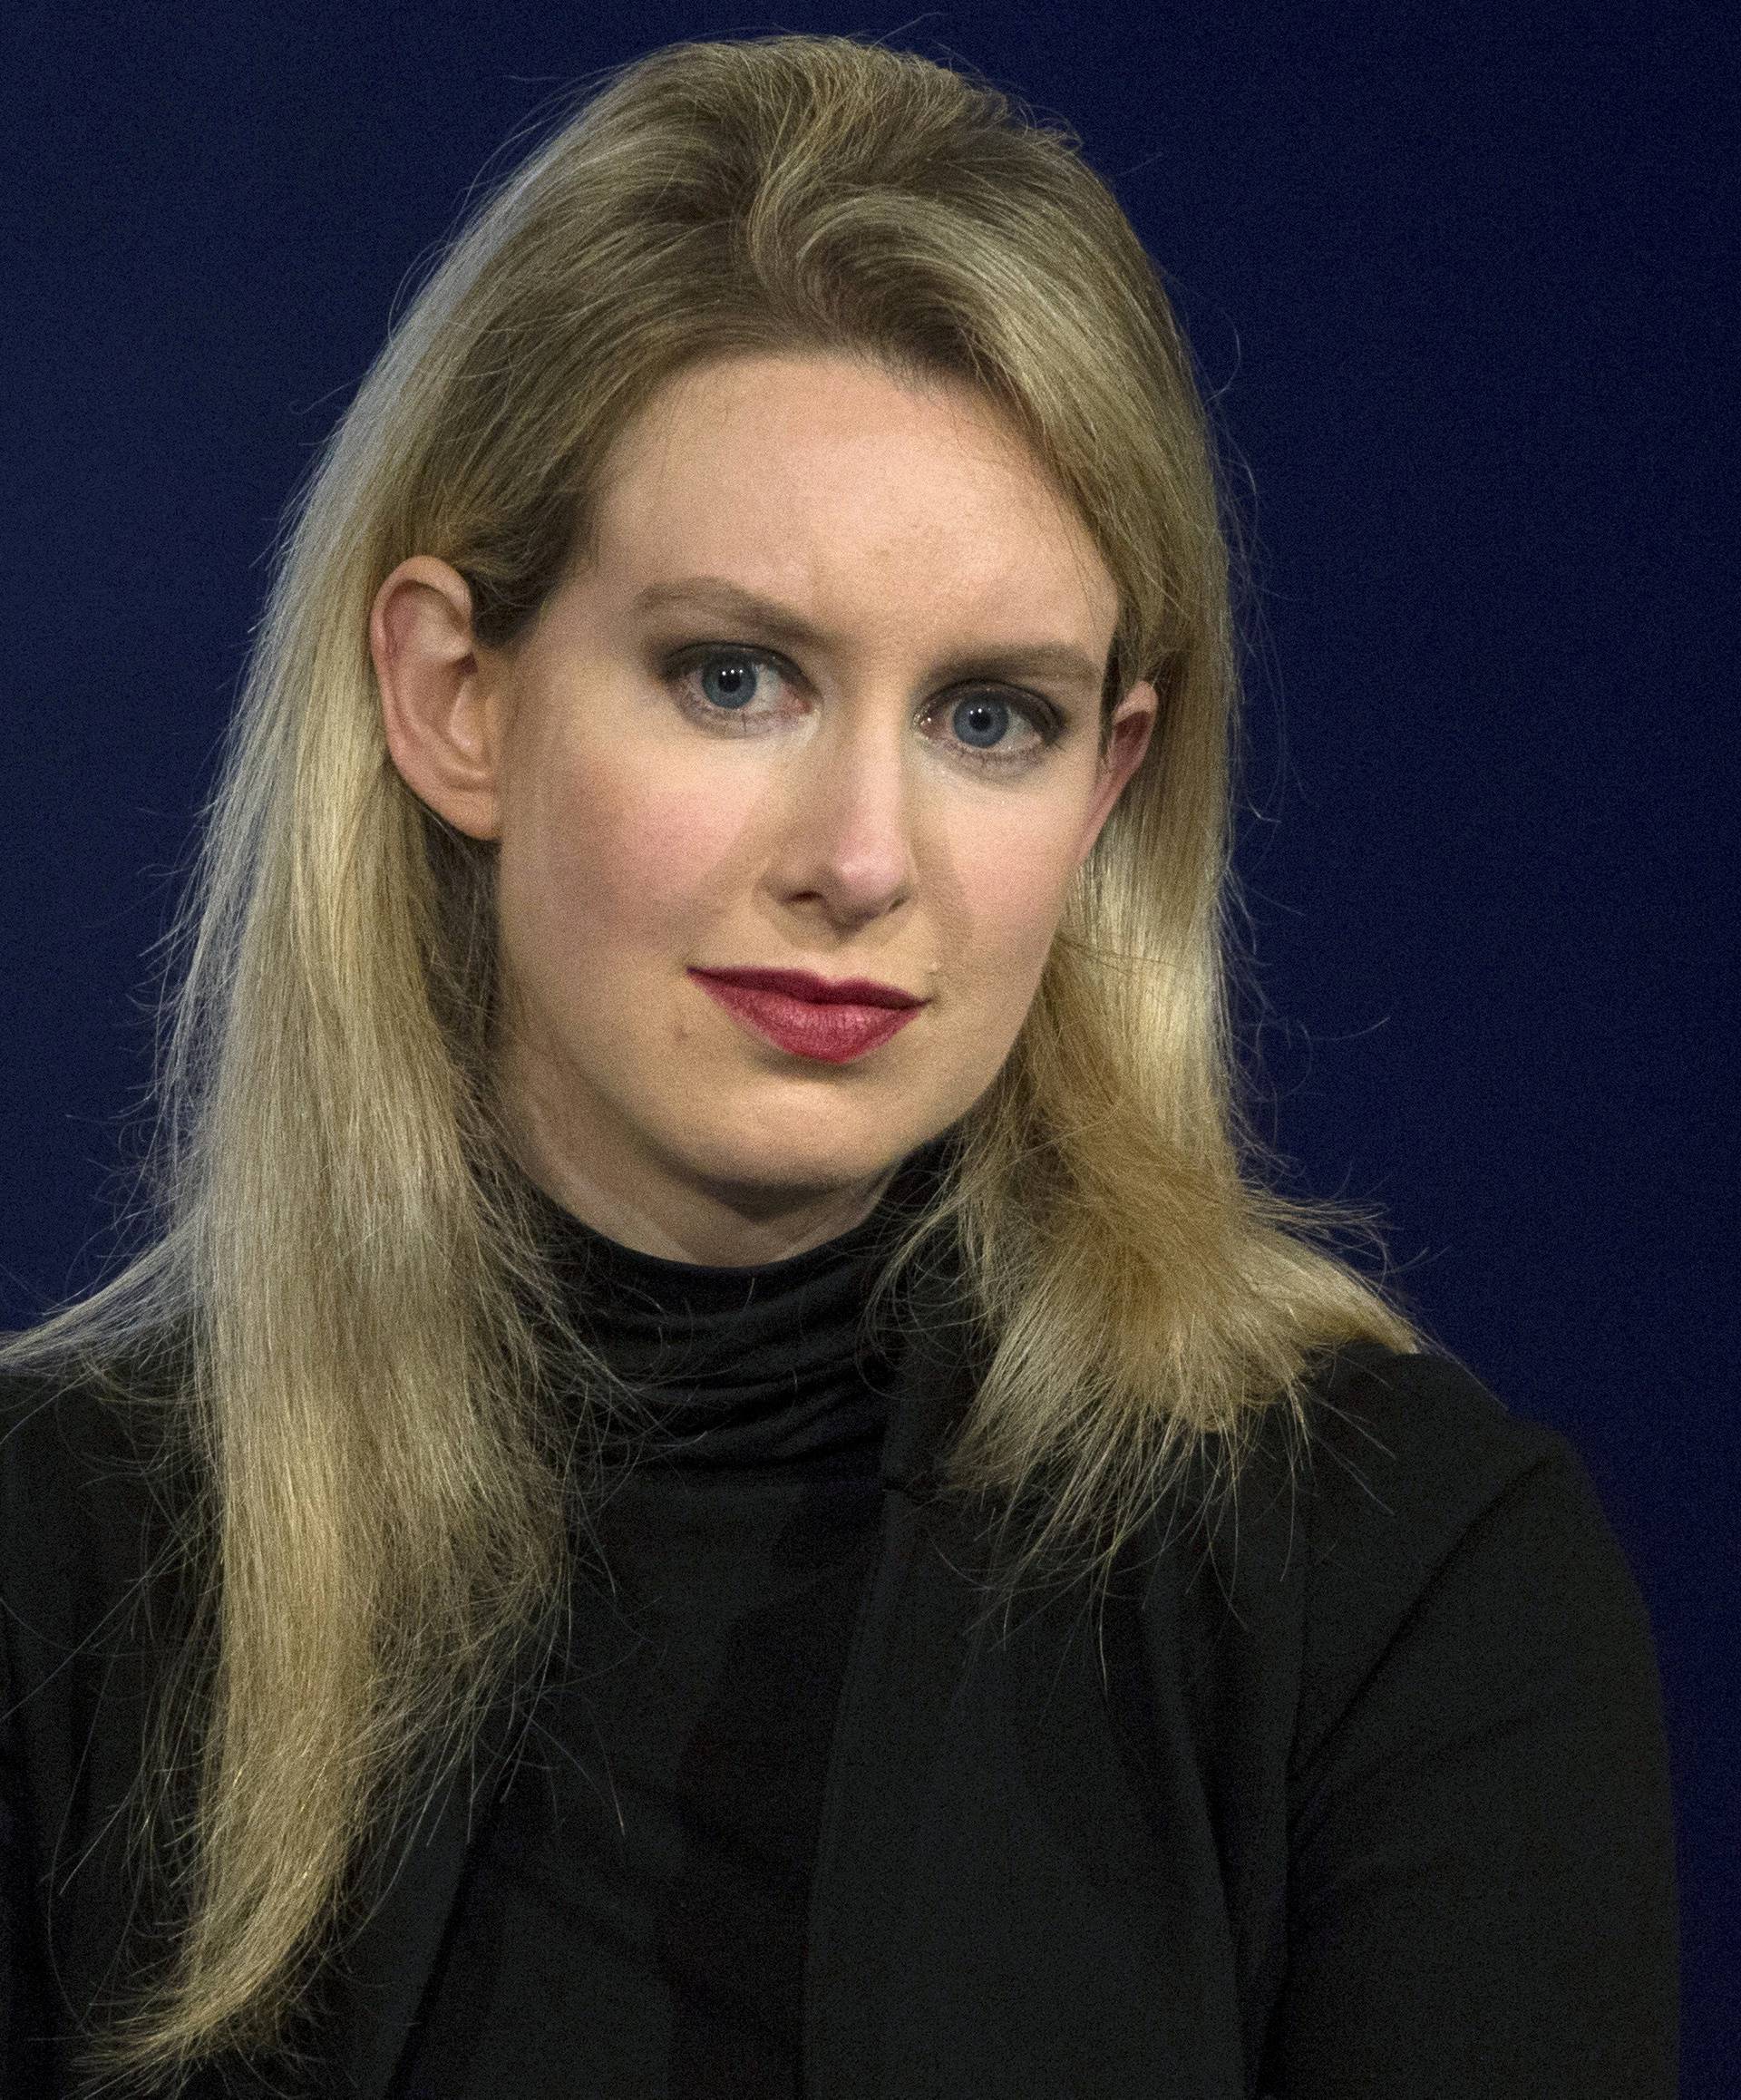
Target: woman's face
886	770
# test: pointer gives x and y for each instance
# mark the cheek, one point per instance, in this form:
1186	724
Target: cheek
601	868
1015	898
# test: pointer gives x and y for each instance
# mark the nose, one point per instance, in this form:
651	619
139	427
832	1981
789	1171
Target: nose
848	833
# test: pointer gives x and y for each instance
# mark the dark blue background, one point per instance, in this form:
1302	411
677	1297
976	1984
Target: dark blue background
1461	284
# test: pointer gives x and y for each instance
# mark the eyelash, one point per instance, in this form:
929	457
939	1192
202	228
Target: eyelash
1044	717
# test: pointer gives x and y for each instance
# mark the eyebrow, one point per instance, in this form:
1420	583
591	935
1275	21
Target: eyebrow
715	594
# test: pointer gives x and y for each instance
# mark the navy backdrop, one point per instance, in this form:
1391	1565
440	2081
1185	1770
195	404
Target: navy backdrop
1460	284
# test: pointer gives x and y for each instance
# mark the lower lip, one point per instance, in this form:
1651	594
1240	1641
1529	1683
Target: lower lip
833	1034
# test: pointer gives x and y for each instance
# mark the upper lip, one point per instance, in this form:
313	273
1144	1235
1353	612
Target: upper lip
824	991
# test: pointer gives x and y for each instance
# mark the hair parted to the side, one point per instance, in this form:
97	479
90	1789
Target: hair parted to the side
337	1320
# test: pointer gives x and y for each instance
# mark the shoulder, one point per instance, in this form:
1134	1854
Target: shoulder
1402	1455
67	1448
1408	1450
86	1508
1423	1542
1446	1533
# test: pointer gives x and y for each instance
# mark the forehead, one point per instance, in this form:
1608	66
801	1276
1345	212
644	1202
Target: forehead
826	475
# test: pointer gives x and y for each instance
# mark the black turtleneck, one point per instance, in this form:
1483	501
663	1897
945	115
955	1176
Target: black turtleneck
632	1918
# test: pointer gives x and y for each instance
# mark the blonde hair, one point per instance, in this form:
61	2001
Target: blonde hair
344	1320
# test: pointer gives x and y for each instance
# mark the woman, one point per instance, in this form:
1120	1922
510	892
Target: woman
646	1527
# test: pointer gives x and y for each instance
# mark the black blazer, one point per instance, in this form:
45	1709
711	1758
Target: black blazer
1360	1793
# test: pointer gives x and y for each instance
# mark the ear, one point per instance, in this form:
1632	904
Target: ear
1132	727
442	711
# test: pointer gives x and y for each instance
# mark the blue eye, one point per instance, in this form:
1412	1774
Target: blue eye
719	684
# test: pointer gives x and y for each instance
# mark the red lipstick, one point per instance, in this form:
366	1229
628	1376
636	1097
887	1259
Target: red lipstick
833	1022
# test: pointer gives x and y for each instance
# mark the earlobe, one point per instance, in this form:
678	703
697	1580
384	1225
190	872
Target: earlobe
439	712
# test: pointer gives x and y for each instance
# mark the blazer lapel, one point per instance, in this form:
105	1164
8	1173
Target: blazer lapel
1016	1888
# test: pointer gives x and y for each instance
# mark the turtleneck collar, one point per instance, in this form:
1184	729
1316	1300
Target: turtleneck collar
752	1365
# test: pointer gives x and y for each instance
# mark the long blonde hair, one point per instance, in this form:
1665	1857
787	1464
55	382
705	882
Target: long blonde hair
343	1321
